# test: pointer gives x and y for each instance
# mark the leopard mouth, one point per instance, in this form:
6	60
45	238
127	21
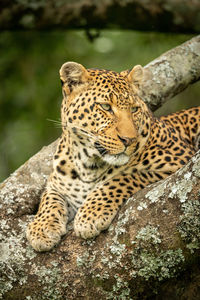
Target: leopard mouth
112	159
100	149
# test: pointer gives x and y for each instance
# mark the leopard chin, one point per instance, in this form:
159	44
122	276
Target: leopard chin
116	159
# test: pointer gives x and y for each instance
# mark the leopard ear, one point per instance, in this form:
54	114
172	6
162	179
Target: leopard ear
72	75
135	76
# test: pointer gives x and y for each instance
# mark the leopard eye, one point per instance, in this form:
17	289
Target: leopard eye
106	106
134	109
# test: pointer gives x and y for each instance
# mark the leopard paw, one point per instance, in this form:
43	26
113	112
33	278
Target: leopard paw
44	235
90	225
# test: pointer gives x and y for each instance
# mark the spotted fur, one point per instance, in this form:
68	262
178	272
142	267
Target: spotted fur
111	147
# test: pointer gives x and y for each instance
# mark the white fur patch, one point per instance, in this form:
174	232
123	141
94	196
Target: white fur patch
116	160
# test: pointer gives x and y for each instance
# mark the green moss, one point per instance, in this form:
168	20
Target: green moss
183	188
117	248
189	227
121	288
149	235
82	260
157	192
117	289
49	278
12	258
161	266
196	166
149	260
86	259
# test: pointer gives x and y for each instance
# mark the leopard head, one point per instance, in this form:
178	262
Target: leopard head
105	106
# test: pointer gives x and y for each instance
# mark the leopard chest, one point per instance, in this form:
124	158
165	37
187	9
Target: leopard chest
75	182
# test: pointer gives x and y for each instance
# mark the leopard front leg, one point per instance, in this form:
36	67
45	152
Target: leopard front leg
49	224
102	205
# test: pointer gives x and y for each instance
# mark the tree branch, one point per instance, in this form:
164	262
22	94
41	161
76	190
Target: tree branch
154	237
171	73
165	16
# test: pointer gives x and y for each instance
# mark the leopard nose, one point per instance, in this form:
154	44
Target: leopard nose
126	140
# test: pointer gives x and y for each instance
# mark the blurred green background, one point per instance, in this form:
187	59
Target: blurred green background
30	92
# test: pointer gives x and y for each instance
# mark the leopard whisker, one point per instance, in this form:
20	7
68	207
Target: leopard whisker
84	132
57	123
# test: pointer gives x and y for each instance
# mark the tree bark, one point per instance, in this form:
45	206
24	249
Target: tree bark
171	73
150	250
165	16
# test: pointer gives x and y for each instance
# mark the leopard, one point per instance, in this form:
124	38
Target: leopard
111	146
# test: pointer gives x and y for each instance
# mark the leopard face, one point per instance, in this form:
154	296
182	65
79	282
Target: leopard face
102	108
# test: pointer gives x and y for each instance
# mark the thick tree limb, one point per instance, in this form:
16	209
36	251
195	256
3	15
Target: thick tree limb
166	15
171	73
154	238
